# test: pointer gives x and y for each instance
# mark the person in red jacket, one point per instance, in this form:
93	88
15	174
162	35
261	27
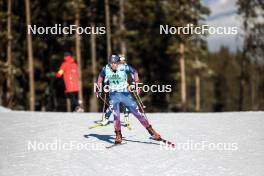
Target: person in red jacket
69	71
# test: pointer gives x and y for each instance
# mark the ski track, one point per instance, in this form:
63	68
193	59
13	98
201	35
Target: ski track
141	155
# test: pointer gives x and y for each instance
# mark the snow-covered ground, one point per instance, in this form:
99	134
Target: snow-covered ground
3	109
208	144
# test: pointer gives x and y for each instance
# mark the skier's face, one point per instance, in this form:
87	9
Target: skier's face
114	66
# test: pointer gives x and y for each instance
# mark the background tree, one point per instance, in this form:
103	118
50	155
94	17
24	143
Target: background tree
77	4
93	100
122	28
30	59
252	51
108	28
9	51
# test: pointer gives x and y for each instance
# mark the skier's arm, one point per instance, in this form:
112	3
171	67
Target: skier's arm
130	70
134	74
100	79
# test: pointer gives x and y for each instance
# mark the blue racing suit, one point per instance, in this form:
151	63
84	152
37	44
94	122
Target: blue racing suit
118	92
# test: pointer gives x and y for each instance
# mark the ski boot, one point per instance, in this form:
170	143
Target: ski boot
127	123
118	138
153	133
126	114
105	121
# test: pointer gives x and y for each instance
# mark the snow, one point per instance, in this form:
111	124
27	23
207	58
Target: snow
3	109
243	131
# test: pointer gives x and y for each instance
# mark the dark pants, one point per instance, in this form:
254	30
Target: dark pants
73	96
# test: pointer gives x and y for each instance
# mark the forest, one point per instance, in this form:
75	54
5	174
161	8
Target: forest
201	80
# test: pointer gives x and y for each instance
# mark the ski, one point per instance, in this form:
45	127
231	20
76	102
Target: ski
97	125
165	141
169	143
115	145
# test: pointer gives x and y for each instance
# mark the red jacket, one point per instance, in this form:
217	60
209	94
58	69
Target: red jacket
69	71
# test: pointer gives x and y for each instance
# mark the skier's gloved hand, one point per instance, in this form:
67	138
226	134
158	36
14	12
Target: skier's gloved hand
139	91
136	87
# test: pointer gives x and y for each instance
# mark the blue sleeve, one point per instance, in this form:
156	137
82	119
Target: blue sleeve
130	70
102	73
134	74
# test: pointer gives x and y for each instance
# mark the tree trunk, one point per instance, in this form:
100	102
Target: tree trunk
197	94
93	100
254	87
243	59
30	59
78	52
183	77
122	27
1	94
9	94
108	28
241	83
197	88
115	41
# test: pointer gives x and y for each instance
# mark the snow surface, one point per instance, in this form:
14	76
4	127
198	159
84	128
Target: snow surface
3	109
141	155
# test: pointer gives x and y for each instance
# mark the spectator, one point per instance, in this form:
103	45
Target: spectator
69	71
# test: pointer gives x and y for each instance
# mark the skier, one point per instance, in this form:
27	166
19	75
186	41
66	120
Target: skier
105	120
116	74
126	113
69	71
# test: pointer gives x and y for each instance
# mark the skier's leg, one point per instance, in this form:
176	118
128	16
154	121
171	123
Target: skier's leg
114	107
126	112
134	109
105	120
132	106
116	113
126	117
117	123
108	113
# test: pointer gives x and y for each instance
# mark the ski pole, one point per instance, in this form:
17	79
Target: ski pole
141	107
139	99
103	100
104	106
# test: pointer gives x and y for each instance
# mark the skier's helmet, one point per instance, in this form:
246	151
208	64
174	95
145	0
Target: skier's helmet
114	58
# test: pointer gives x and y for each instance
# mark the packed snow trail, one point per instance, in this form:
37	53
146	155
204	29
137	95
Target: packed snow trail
141	155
